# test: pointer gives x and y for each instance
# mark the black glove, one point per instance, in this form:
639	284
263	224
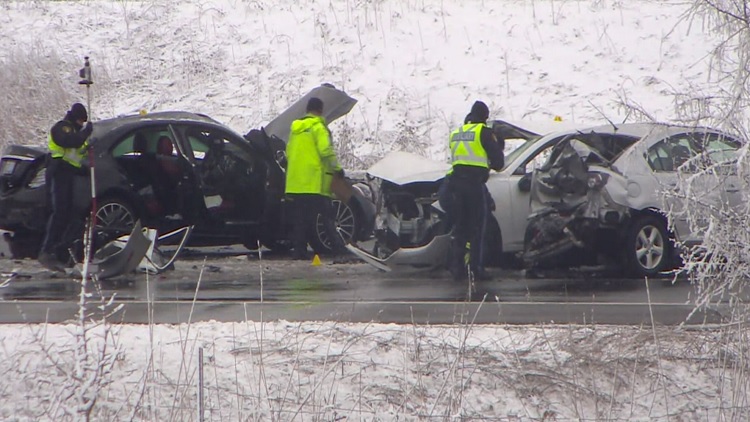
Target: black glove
501	143
86	131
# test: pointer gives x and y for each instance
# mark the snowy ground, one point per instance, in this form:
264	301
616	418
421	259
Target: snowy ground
331	372
416	66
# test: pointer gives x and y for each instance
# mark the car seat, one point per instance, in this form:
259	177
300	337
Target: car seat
680	155
166	175
166	160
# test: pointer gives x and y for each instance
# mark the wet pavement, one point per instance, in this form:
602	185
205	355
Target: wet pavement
232	285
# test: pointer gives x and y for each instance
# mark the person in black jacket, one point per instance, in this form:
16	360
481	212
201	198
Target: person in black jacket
474	151
67	149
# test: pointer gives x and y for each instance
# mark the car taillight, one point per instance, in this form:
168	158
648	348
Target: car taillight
39	178
7	167
597	180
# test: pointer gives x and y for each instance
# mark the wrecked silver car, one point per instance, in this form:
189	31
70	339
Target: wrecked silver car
410	229
600	197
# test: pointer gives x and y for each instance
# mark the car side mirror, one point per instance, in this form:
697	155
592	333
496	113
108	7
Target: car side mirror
524	183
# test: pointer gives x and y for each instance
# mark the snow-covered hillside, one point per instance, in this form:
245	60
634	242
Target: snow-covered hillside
415	65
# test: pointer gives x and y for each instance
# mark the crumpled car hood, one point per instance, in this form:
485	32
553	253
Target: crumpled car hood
402	168
336	103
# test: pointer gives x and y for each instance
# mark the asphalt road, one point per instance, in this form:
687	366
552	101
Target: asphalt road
228	285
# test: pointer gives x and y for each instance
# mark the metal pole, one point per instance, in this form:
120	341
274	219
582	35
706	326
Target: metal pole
200	385
87	79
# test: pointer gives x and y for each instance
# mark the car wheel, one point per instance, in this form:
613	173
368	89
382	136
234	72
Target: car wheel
114	218
345	219
648	247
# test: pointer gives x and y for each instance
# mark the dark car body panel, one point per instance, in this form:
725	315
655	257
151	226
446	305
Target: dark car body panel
229	186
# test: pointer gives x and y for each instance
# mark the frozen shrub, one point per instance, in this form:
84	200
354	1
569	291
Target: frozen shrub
38	86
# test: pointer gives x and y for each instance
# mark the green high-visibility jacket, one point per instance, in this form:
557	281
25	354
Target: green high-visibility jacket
311	160
466	146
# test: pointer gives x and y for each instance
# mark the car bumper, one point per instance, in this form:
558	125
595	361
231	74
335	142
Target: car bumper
24	210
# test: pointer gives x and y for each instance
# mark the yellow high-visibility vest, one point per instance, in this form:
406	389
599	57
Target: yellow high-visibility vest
73	156
466	146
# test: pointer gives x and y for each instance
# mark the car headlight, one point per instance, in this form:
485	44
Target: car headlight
39	179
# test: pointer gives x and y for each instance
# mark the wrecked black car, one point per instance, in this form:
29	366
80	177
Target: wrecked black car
177	169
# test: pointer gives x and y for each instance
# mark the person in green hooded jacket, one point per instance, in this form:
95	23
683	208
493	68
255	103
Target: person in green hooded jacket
311	165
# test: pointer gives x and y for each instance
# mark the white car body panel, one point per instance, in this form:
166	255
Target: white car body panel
644	188
402	168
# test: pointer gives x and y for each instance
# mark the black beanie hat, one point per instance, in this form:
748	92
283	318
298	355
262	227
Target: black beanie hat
78	112
480	111
315	104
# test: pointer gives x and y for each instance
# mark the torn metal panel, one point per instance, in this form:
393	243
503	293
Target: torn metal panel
156	260
139	251
428	257
114	259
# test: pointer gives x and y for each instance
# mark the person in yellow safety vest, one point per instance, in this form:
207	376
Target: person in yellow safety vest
67	145
311	165
474	151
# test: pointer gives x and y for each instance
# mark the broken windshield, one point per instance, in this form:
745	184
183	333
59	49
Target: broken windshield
592	148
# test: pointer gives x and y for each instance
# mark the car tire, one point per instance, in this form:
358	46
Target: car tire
346	220
648	247
115	217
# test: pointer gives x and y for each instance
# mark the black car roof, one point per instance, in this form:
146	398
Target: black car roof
161	116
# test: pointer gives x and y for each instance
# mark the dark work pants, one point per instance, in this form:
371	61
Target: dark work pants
59	177
468	212
305	211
